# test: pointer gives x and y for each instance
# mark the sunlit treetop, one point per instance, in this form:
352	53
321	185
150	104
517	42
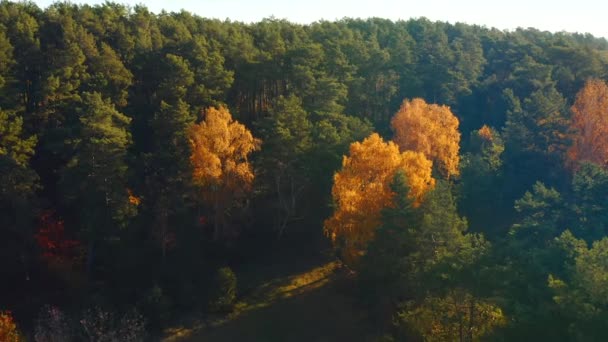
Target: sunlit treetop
430	129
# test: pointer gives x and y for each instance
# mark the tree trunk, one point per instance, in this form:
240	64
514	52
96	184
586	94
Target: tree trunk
90	259
26	268
471	320
217	221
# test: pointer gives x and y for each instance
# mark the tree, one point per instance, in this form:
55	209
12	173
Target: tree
362	190
177	79
590	124
457	316
430	129
538	125
168	169
211	77
287	144
94	179
22	22
422	266
392	240
220	150
18	183
13	145
481	176
8	328
541	211
6	58
581	294
589	202
109	76
530	255
52	240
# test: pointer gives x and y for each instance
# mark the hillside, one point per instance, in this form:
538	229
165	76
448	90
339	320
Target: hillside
172	175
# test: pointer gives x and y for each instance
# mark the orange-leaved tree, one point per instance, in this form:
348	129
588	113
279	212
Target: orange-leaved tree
220	149
8	328
362	189
430	129
590	125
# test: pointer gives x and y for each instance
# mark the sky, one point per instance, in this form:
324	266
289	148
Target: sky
583	16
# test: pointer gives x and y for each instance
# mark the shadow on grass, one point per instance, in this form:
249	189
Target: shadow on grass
317	311
316	305
291	293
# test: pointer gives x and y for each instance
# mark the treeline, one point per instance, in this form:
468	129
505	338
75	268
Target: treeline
141	152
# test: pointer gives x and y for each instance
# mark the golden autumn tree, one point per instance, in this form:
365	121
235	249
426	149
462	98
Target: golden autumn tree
220	167
590	125
430	129
8	328
362	189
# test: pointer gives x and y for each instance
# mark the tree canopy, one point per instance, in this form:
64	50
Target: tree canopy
457	171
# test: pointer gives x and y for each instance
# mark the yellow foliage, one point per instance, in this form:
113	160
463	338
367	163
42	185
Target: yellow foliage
8	328
590	125
220	147
362	189
430	129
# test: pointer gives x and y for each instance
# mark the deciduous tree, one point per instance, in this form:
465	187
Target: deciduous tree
220	150
590	124
430	129
362	190
8	328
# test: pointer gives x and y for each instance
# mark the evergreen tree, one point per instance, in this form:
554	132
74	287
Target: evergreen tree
94	179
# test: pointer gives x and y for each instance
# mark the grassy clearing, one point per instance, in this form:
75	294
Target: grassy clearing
312	305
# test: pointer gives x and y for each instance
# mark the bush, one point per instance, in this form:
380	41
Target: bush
52	326
132	327
224	296
155	305
8	328
101	326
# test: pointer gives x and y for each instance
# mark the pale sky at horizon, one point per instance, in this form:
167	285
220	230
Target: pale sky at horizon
573	16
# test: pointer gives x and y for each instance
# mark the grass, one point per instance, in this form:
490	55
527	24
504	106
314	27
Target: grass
285	299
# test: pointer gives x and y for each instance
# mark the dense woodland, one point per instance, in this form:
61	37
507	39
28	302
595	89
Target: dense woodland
459	173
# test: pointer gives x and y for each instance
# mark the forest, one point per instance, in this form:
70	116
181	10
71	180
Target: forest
452	178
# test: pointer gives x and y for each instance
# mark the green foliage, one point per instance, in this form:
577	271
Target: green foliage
590	186
481	177
419	253
96	100
167	169
18	183
225	289
156	305
94	178
96	172
386	261
6	57
12	144
581	297
109	76
542	211
456	317
287	141
539	124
